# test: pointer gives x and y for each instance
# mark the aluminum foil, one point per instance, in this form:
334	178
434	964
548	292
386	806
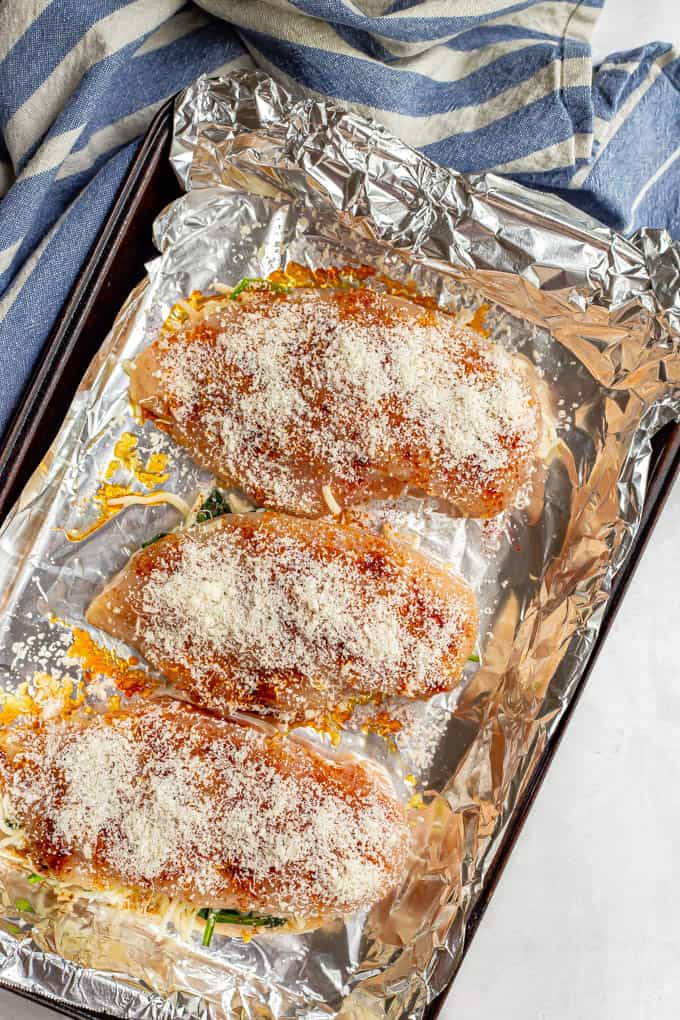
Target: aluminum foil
272	178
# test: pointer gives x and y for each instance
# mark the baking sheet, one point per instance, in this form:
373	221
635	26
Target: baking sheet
272	179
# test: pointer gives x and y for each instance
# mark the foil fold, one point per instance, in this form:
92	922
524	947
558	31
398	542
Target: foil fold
272	177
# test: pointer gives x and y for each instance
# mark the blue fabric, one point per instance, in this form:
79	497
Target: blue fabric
510	89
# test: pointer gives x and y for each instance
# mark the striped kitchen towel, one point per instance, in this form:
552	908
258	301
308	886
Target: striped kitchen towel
507	86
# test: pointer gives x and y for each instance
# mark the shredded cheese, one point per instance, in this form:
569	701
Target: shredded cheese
194	314
153	499
330	500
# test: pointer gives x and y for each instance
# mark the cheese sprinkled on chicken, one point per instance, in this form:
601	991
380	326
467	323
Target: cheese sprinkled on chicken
353	392
168	799
278	614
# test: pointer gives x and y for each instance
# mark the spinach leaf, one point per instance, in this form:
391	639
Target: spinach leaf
247	281
250	919
150	541
215	506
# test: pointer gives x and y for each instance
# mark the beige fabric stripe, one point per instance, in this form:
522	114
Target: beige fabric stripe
108	138
182	24
8	254
34	117
560	154
52	153
15	18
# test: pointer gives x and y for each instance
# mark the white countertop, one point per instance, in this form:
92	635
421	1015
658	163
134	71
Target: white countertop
585	923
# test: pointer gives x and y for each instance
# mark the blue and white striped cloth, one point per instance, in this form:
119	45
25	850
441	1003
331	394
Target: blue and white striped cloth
507	86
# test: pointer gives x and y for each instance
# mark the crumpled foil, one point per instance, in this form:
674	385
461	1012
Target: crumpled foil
269	178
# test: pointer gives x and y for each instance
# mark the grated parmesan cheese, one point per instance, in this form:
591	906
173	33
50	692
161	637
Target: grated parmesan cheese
276	614
173	801
367	392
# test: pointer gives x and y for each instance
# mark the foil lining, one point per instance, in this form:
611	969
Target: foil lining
272	177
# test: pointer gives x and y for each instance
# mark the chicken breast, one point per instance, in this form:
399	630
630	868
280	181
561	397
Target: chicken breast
279	615
320	398
164	798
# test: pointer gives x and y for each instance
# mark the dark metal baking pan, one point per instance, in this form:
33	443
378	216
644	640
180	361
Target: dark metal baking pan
114	266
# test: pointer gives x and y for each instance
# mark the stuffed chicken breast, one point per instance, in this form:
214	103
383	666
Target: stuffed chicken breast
284	616
322	398
163	798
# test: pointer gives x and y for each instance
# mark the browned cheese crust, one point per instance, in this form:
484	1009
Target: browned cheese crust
280	615
164	798
348	392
